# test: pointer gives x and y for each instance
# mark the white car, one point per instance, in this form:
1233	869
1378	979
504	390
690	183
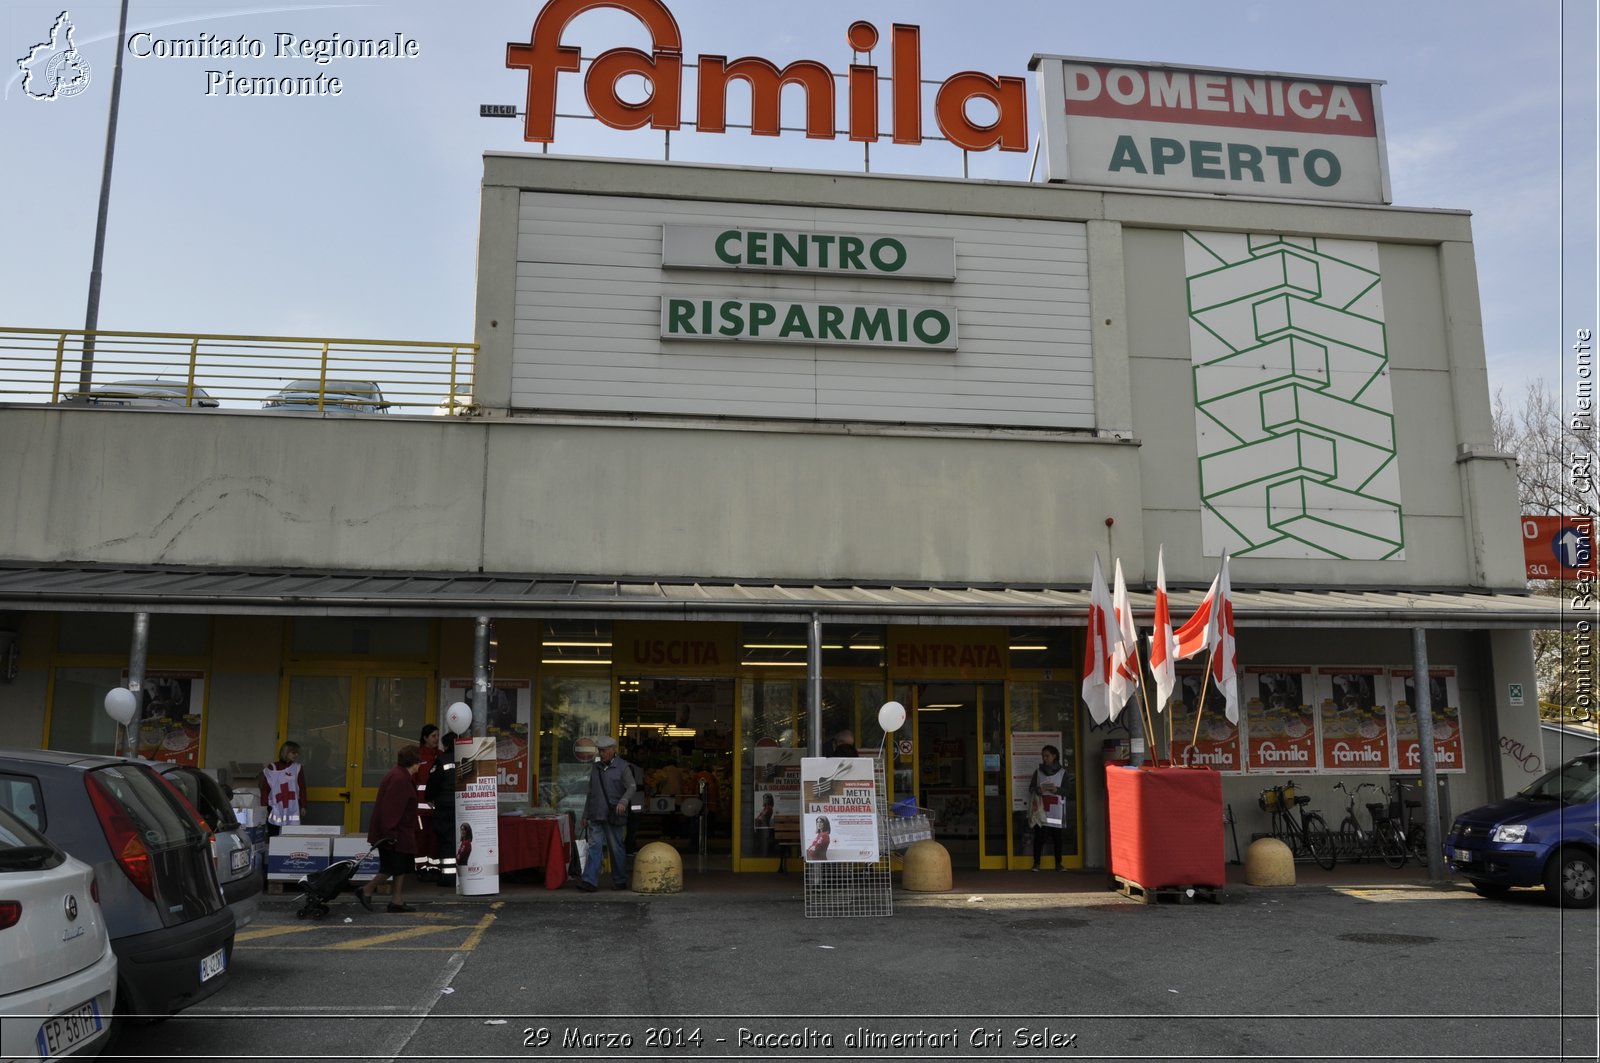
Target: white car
458	404
58	984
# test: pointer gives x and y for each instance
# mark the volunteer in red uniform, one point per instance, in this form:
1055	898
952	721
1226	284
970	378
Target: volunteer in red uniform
283	788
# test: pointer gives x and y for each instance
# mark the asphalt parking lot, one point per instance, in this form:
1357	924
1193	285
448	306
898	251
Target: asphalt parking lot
1391	968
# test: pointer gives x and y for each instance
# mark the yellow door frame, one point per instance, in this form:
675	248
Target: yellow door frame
349	789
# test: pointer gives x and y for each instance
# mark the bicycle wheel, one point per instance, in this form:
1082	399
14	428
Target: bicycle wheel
1319	841
1352	839
1417	839
1390	846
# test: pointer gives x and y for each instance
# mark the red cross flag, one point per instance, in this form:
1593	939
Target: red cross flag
1163	646
1097	648
1125	669
1212	628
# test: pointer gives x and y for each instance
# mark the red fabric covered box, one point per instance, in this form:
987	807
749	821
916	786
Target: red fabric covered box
1166	826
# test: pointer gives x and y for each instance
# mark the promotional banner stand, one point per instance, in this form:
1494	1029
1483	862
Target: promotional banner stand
844	831
477	808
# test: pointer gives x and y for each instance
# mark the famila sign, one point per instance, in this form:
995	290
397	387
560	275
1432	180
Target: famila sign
544	57
1205	129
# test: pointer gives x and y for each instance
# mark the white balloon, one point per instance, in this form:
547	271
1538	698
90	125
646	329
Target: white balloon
458	717
120	704
891	716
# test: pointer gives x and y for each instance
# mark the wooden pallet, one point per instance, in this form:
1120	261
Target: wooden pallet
1167	894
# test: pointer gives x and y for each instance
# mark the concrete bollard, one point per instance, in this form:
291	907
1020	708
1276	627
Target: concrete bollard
1268	862
657	868
926	868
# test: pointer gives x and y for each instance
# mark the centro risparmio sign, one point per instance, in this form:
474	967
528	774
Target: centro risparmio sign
544	57
691	316
1206	129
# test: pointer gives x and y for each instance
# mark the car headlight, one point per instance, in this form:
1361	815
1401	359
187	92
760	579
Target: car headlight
1511	832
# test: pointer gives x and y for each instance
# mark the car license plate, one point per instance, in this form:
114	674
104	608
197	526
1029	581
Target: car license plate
239	860
1461	856
61	1033
213	965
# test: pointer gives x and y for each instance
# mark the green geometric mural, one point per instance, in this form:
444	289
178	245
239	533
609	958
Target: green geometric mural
1292	407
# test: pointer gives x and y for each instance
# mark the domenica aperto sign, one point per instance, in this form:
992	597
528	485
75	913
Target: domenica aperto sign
1205	129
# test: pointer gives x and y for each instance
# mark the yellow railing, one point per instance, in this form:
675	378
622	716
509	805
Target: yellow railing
236	372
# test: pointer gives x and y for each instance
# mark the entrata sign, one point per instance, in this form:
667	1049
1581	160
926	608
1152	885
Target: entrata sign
1202	129
544	57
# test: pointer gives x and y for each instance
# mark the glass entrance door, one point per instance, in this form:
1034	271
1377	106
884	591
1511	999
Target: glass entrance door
349	726
958	766
680	731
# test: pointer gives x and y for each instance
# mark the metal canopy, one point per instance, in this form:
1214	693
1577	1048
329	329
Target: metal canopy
180	589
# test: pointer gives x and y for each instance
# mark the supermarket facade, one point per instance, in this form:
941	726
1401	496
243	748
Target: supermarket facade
732	419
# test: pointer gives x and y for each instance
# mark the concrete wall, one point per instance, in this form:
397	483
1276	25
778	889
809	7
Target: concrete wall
208	488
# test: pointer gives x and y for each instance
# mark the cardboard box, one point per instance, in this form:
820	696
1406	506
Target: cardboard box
251	817
246	799
290	857
312	830
353	847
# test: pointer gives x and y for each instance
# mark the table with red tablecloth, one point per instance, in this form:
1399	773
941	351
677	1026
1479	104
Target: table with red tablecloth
526	843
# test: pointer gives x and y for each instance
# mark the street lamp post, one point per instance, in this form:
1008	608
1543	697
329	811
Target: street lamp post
91	317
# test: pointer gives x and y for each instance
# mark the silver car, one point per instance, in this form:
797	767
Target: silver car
328	396
160	393
170	928
241	870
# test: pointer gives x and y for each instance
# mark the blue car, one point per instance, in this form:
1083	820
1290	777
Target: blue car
1547	835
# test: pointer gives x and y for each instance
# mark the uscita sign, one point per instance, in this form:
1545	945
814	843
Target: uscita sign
544	57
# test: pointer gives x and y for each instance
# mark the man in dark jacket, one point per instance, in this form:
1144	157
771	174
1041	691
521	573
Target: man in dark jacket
442	796
605	815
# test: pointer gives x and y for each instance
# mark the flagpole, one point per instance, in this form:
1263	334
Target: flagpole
1205	688
1144	698
1168	712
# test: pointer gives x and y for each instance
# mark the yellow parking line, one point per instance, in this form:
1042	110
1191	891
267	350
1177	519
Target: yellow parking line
397	935
1409	893
270	932
478	931
375	948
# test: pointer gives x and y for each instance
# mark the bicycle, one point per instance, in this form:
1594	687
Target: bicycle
1310	836
1413	833
1382	840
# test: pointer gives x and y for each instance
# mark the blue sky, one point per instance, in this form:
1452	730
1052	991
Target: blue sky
357	215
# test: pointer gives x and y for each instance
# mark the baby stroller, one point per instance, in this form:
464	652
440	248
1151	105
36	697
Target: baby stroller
316	890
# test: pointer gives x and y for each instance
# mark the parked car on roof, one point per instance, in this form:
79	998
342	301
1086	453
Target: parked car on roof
336	396
241	870
1547	834
169	926
58	984
457	404
147	393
